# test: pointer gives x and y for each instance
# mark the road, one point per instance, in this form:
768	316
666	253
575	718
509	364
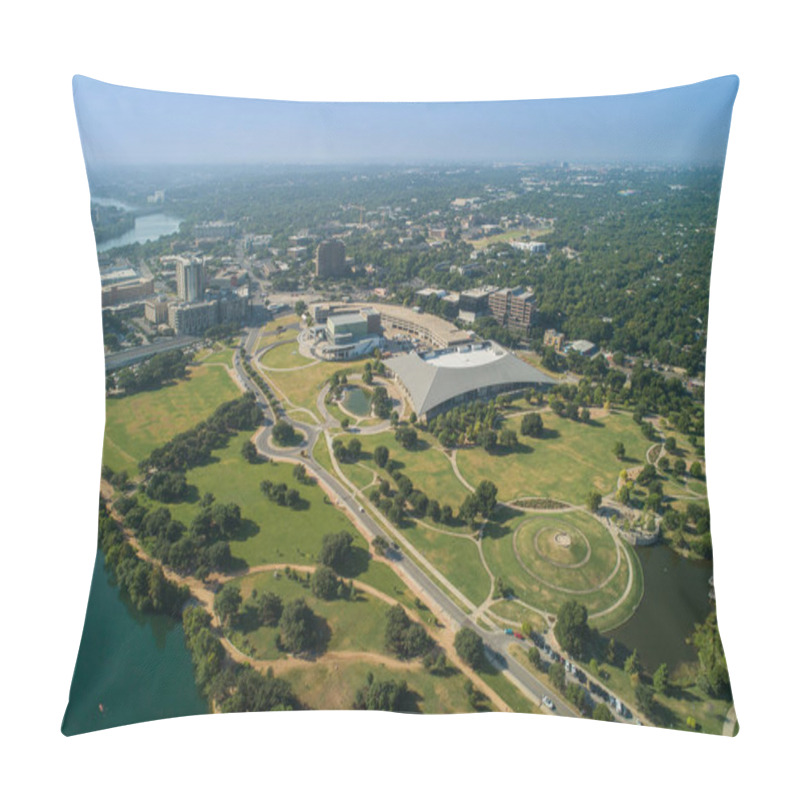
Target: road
130	356
496	642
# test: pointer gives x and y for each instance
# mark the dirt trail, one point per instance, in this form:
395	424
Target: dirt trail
444	637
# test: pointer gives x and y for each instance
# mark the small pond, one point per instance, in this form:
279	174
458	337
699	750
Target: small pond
357	401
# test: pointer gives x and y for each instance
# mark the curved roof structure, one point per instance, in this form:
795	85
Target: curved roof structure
443	378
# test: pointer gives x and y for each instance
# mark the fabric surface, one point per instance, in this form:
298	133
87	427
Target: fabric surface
404	407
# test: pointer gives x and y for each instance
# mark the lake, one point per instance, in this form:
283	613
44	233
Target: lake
135	664
675	598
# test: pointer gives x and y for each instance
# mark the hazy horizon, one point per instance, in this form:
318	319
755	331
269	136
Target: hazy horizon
126	127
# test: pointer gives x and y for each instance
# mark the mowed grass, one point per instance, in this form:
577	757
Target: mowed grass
302	386
456	557
499	552
285	356
352	625
334	686
515	612
569	461
272	534
137	424
218	355
426	466
591	541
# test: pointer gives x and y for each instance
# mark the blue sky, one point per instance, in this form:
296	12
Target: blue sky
121	125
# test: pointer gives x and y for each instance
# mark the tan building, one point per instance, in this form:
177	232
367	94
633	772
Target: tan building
156	311
513	308
554	339
126	291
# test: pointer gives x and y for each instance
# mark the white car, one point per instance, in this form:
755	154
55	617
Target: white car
549	703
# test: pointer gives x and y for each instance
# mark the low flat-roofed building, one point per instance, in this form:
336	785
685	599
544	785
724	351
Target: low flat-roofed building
582	346
126	291
440	381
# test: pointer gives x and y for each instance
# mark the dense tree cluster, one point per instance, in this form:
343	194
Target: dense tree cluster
204	549
713	677
298	627
280	493
193	448
469	647
381	695
154	372
144	583
404	638
572	629
336	551
234	687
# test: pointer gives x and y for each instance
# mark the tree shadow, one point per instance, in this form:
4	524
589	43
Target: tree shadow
409	702
549	433
301	505
356	564
246	530
236	565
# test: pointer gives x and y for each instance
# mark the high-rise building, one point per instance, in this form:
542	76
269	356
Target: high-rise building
513	308
191	277
331	259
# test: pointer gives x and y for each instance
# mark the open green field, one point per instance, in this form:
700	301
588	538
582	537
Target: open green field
587	561
571	459
426	465
285	356
357	624
138	423
566	584
303	386
273	534
334	686
456	557
217	355
508	236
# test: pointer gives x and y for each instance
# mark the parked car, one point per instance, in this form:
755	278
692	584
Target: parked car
508	632
549	703
518	635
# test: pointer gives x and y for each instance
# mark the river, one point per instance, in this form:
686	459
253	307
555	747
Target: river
147	227
136	665
675	598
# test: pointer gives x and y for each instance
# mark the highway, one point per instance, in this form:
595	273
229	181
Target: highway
125	358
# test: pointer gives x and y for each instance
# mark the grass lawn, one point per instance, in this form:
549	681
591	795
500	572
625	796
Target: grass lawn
455	557
508	236
218	355
322	454
302	386
508	691
427	466
672	709
334	686
273	534
285	356
138	423
499	551
566	463
357	624
517	613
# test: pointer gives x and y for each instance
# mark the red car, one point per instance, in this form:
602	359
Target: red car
518	635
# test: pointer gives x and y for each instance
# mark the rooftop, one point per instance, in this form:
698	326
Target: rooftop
437	379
